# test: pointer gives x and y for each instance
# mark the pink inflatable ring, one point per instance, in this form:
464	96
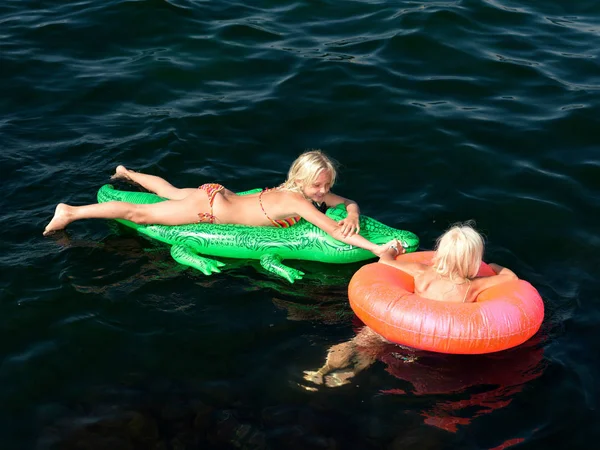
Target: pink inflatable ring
503	316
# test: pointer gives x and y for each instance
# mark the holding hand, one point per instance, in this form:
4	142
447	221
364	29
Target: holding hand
350	225
390	250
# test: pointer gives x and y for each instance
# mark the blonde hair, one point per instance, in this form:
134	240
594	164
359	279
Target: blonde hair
307	167
459	252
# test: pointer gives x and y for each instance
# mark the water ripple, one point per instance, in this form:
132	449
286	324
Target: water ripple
438	111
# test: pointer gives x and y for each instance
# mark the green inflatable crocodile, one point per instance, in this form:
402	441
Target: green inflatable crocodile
270	245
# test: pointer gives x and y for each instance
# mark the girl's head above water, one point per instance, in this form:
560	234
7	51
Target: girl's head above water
307	168
459	252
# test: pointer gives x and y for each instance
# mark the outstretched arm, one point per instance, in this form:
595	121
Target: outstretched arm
502	270
502	276
308	212
389	255
351	224
394	249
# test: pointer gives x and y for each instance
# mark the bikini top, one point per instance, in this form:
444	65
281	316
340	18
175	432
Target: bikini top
322	207
288	222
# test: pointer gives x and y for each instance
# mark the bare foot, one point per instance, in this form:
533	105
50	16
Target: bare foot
62	218
338	379
335	379
315	377
121	173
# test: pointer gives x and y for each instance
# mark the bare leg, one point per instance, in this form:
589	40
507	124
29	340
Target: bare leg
347	359
158	185
170	212
339	356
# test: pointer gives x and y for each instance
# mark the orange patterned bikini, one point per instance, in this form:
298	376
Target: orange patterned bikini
211	190
281	223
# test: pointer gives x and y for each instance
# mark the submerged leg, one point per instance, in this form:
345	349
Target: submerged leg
158	185
347	359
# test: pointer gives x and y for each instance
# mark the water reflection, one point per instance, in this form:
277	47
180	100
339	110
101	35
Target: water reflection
462	387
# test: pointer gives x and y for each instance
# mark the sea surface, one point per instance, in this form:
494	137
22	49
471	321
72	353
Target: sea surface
438	112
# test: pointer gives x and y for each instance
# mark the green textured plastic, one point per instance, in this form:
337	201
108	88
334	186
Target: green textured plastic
270	245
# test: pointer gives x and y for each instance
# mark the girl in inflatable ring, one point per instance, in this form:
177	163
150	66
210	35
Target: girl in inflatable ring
305	194
452	277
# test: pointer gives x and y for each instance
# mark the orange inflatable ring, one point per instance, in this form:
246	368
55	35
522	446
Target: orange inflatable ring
503	316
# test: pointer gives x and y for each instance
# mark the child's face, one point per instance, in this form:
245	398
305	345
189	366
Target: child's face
317	190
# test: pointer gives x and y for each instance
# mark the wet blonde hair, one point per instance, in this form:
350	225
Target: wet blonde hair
307	167
459	252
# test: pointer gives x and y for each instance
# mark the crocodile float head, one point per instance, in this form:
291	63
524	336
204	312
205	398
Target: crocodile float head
270	245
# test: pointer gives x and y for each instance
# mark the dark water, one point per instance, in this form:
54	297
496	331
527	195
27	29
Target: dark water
438	111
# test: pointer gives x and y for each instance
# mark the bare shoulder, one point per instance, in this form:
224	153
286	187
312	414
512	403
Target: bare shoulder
332	199
292	195
295	203
412	268
295	200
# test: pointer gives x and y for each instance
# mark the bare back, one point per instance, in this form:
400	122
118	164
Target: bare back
429	284
256	209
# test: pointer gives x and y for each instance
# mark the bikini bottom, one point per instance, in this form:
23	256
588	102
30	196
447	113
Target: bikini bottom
211	189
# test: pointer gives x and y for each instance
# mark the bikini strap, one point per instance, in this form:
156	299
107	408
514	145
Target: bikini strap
263	208
467	291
